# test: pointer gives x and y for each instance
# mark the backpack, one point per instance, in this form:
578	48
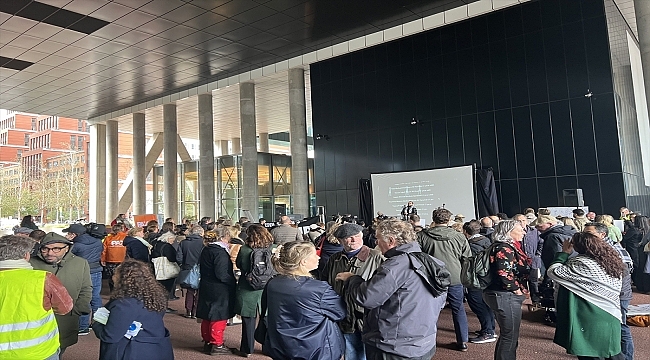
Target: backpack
96	230
261	268
475	270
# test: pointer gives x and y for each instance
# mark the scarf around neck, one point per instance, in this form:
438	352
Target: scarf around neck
584	277
15	264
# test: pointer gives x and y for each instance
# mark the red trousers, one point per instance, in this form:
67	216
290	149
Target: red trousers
212	331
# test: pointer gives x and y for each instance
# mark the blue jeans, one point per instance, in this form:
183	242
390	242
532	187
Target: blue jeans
507	310
354	348
483	312
455	295
95	301
627	344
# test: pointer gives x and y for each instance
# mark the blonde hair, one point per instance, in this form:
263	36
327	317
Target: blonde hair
234	231
289	256
605	219
134	231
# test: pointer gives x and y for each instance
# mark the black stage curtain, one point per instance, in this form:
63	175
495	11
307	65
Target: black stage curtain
365	201
486	193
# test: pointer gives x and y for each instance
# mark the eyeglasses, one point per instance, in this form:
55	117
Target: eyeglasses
55	250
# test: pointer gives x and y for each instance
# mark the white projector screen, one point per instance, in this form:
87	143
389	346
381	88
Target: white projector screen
452	188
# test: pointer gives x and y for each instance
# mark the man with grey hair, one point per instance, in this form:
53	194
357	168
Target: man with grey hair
188	254
38	295
285	232
600	231
450	246
359	260
405	293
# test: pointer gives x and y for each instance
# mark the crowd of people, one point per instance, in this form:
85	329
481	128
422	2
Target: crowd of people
340	289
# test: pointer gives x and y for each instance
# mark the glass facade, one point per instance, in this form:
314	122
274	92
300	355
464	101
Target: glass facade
274	187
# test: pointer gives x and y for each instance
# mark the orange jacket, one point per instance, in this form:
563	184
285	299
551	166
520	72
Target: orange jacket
114	251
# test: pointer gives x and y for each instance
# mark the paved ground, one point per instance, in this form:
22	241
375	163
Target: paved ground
536	339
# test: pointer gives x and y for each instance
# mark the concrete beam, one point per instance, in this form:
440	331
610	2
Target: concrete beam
153	151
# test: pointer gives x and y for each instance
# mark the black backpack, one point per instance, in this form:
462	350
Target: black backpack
96	230
261	268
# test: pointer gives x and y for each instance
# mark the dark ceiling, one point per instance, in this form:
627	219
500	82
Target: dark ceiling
84	58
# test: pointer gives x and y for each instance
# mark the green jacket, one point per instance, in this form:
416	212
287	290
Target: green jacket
74	273
583	328
363	264
247	300
446	245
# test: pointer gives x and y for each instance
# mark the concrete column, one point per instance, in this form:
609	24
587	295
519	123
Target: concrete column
223	145
250	199
139	165
298	142
170	170
236	145
642	11
97	176
206	157
111	170
264	142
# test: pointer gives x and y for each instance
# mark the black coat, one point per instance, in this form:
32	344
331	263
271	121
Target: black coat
479	244
89	248
217	288
135	249
553	239
189	251
152	342
302	316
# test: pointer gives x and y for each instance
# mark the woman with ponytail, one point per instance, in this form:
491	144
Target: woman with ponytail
302	311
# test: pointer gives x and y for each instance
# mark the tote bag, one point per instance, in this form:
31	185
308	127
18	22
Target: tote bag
165	269
190	278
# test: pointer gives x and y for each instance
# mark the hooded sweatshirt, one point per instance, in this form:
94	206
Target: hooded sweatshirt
553	239
447	245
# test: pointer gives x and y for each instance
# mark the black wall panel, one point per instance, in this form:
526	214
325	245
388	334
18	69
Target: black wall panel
505	90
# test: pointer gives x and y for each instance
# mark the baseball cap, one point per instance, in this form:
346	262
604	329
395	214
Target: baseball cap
75	229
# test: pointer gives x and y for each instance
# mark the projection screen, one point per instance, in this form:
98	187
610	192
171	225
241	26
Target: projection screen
452	188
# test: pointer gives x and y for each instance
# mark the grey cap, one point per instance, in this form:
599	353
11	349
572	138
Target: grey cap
346	230
23	230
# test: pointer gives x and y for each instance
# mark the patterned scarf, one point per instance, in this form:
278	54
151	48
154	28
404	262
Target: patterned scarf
585	278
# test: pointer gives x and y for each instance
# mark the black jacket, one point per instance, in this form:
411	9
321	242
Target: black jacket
151	342
302	316
135	249
189	251
478	244
553	239
89	248
217	287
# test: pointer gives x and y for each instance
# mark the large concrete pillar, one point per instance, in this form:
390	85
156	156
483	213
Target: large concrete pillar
223	146
97	176
139	165
111	170
642	11
250	199
264	142
298	141
170	170
206	157
236	145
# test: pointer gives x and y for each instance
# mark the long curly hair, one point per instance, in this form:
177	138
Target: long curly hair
134	279
258	237
604	254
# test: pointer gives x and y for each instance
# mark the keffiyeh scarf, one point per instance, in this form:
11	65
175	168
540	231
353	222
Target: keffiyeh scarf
585	278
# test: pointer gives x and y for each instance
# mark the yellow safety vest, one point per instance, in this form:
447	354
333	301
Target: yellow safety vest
27	331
